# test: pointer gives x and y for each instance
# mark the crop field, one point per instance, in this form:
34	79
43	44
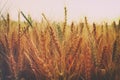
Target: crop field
48	50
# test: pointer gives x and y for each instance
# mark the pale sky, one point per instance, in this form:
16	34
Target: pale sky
95	10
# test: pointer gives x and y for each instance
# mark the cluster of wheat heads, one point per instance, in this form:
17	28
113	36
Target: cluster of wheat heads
58	51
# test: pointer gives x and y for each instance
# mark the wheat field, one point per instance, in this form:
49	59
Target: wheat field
48	50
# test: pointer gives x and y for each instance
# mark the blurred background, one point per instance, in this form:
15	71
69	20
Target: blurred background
95	10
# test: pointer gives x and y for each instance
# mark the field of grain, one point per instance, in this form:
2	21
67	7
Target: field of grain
48	50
